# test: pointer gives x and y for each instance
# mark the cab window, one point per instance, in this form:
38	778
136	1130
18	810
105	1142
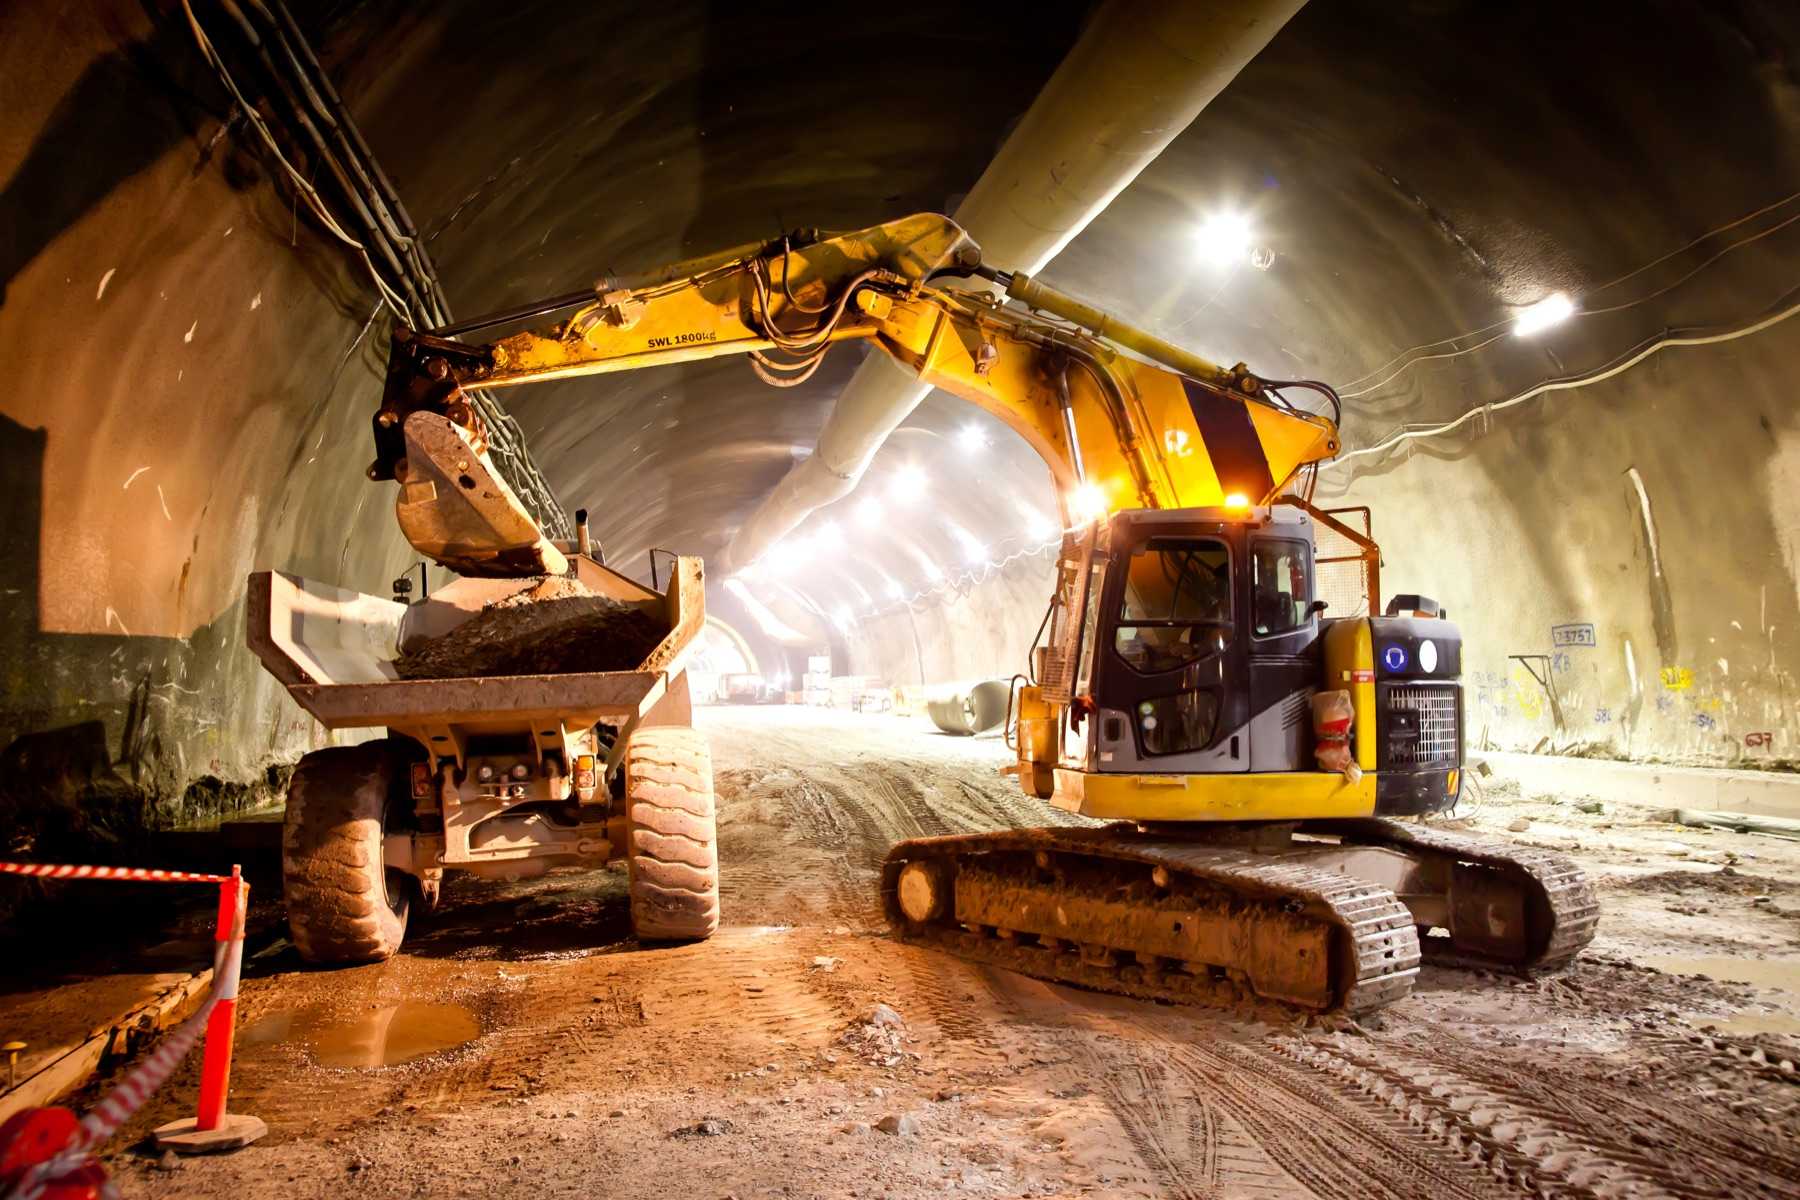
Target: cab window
1176	607
1280	597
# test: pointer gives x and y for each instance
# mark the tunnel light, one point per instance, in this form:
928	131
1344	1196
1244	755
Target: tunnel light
1040	528
972	549
895	591
971	439
1087	503
868	513
785	556
1237	500
1552	310
909	485
844	617
1223	238
827	537
934	573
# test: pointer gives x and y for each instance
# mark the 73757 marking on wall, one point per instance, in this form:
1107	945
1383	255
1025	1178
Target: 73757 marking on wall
1573	635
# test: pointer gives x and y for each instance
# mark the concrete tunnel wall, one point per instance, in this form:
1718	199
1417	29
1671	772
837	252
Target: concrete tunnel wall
193	366
189	377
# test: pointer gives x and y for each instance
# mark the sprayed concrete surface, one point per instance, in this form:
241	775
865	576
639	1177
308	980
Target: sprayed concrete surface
522	1043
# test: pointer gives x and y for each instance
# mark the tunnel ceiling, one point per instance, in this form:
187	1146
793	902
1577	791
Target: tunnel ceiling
1418	170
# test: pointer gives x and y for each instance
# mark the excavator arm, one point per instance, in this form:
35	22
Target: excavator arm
1121	418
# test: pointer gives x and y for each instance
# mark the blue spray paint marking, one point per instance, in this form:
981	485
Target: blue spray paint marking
1394	658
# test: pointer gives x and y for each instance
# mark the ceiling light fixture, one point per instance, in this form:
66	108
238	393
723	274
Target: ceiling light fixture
909	484
1223	239
1552	310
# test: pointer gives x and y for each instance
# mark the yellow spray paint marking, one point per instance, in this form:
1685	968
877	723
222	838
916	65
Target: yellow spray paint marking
1527	694
1677	679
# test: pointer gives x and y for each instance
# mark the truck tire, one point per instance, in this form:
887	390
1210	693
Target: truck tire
672	855
343	904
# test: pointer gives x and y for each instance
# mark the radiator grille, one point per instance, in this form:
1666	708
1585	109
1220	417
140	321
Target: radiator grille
1422	725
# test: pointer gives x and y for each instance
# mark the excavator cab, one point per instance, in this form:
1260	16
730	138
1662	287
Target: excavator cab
1206	645
1200	645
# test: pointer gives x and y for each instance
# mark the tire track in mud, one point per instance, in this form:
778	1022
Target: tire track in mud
1554	1131
1199	1149
1713	1133
1215	1116
1330	1139
1177	1121
957	1001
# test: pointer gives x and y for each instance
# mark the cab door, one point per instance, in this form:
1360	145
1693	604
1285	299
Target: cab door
1282	639
1170	684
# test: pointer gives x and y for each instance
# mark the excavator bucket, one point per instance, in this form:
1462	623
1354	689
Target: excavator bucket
455	508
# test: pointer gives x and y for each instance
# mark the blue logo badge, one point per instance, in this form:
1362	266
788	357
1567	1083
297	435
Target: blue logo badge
1394	658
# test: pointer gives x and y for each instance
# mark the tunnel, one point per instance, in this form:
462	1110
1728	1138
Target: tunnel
1540	261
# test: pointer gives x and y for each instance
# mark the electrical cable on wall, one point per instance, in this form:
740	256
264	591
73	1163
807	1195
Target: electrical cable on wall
414	294
1691	336
1400	363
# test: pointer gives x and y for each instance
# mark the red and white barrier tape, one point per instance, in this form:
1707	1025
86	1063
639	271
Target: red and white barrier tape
120	1104
128	874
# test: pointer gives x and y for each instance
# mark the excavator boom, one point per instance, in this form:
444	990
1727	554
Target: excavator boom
1157	427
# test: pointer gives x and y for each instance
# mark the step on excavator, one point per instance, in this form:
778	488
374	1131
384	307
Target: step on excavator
1253	849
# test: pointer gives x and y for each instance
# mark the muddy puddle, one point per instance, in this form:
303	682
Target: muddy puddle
1748	1023
1780	974
380	1037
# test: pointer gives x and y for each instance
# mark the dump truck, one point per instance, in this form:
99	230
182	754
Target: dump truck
500	776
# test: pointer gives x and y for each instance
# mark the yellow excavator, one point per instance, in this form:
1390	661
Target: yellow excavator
1186	648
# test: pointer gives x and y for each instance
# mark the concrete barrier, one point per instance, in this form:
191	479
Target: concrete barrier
1704	789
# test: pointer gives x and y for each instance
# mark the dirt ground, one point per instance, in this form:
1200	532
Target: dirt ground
546	1054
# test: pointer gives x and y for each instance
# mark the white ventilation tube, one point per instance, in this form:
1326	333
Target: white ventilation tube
1141	71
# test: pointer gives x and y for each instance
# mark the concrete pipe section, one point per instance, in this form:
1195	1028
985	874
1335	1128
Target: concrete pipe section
1544	255
971	710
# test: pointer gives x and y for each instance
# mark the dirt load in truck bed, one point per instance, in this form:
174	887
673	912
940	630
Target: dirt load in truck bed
557	626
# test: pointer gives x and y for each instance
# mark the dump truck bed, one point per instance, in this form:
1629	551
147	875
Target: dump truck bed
335	648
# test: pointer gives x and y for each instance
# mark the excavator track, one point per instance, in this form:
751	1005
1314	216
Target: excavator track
1555	899
1188	922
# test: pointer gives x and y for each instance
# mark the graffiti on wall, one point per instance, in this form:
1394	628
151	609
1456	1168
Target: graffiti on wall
1572	684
